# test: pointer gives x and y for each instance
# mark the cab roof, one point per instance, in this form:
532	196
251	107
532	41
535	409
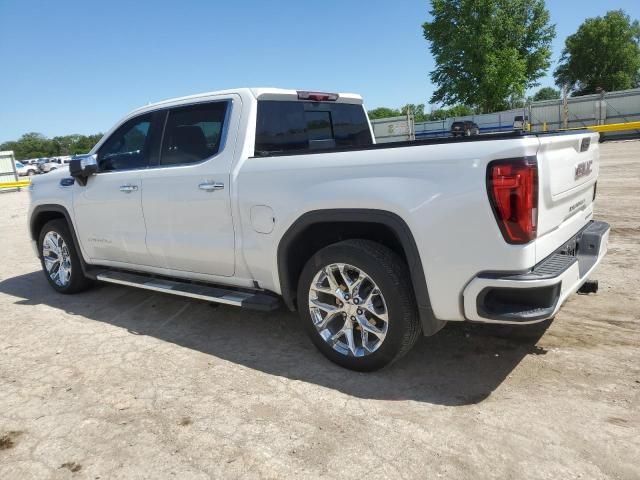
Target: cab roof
259	93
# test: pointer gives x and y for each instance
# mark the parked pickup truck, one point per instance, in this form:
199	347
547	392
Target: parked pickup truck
253	197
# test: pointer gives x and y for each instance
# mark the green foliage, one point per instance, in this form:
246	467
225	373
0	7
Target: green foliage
417	111
455	111
603	53
419	114
384	112
30	145
75	144
546	93
36	145
487	51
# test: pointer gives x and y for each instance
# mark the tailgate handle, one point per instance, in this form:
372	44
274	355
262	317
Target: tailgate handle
584	144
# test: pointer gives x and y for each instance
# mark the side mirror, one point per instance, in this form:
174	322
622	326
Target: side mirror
83	167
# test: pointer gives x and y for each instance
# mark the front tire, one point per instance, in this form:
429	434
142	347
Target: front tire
356	302
59	258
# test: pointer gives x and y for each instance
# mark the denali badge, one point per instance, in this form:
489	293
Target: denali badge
576	205
583	169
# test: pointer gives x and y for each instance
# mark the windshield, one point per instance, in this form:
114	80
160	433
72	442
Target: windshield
19	165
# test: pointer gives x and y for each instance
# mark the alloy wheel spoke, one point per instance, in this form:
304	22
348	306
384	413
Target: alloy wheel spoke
325	307
51	247
355	286
333	285
366	326
50	262
323	289
335	337
348	335
347	280
324	321
365	339
55	273
369	307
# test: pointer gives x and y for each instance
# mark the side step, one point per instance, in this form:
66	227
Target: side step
254	301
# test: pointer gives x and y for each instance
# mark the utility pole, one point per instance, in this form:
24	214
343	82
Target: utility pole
602	107
410	123
565	108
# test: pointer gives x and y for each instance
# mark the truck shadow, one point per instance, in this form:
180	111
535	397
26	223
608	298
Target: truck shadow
461	365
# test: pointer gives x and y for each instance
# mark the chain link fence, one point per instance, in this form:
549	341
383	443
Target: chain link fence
598	109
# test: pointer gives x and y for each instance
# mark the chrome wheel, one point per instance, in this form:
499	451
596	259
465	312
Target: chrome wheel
348	310
57	259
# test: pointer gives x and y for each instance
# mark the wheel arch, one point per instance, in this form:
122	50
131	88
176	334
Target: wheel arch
317	229
47	212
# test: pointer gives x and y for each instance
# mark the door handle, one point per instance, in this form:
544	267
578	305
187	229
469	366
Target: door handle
128	188
211	186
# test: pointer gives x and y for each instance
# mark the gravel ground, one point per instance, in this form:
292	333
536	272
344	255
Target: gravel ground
123	383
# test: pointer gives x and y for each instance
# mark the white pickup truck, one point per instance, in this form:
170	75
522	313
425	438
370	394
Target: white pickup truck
251	197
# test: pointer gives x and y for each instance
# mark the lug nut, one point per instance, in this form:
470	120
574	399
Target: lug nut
356	301
346	296
353	318
359	312
344	314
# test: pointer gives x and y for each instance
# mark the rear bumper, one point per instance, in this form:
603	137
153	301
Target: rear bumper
538	294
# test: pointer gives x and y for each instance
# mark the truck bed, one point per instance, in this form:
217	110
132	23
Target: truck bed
431	141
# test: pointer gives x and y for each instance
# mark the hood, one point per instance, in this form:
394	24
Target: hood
53	176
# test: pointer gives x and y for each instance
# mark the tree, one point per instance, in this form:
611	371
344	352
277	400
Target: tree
487	51
416	110
419	114
30	145
75	144
455	111
383	112
36	145
603	54
546	93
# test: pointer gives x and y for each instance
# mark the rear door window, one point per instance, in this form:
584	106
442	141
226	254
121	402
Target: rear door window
193	133
296	127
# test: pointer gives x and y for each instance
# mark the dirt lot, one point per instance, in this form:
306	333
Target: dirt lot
123	383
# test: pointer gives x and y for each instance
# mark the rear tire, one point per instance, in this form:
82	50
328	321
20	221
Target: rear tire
373	342
59	258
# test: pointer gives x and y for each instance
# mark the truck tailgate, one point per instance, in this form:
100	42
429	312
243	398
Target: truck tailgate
568	166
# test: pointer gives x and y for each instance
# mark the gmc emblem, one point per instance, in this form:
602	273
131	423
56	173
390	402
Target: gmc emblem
583	169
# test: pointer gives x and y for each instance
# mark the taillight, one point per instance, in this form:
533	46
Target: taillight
318	96
513	193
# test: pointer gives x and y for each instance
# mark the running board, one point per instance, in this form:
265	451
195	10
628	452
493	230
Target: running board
254	301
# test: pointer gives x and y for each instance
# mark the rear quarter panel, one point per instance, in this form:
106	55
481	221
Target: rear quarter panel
438	190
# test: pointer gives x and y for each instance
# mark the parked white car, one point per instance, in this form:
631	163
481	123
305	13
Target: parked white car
25	170
251	196
46	165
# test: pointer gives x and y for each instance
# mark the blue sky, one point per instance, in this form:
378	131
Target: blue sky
78	66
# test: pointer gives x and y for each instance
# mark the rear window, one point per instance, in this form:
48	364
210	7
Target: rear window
296	127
